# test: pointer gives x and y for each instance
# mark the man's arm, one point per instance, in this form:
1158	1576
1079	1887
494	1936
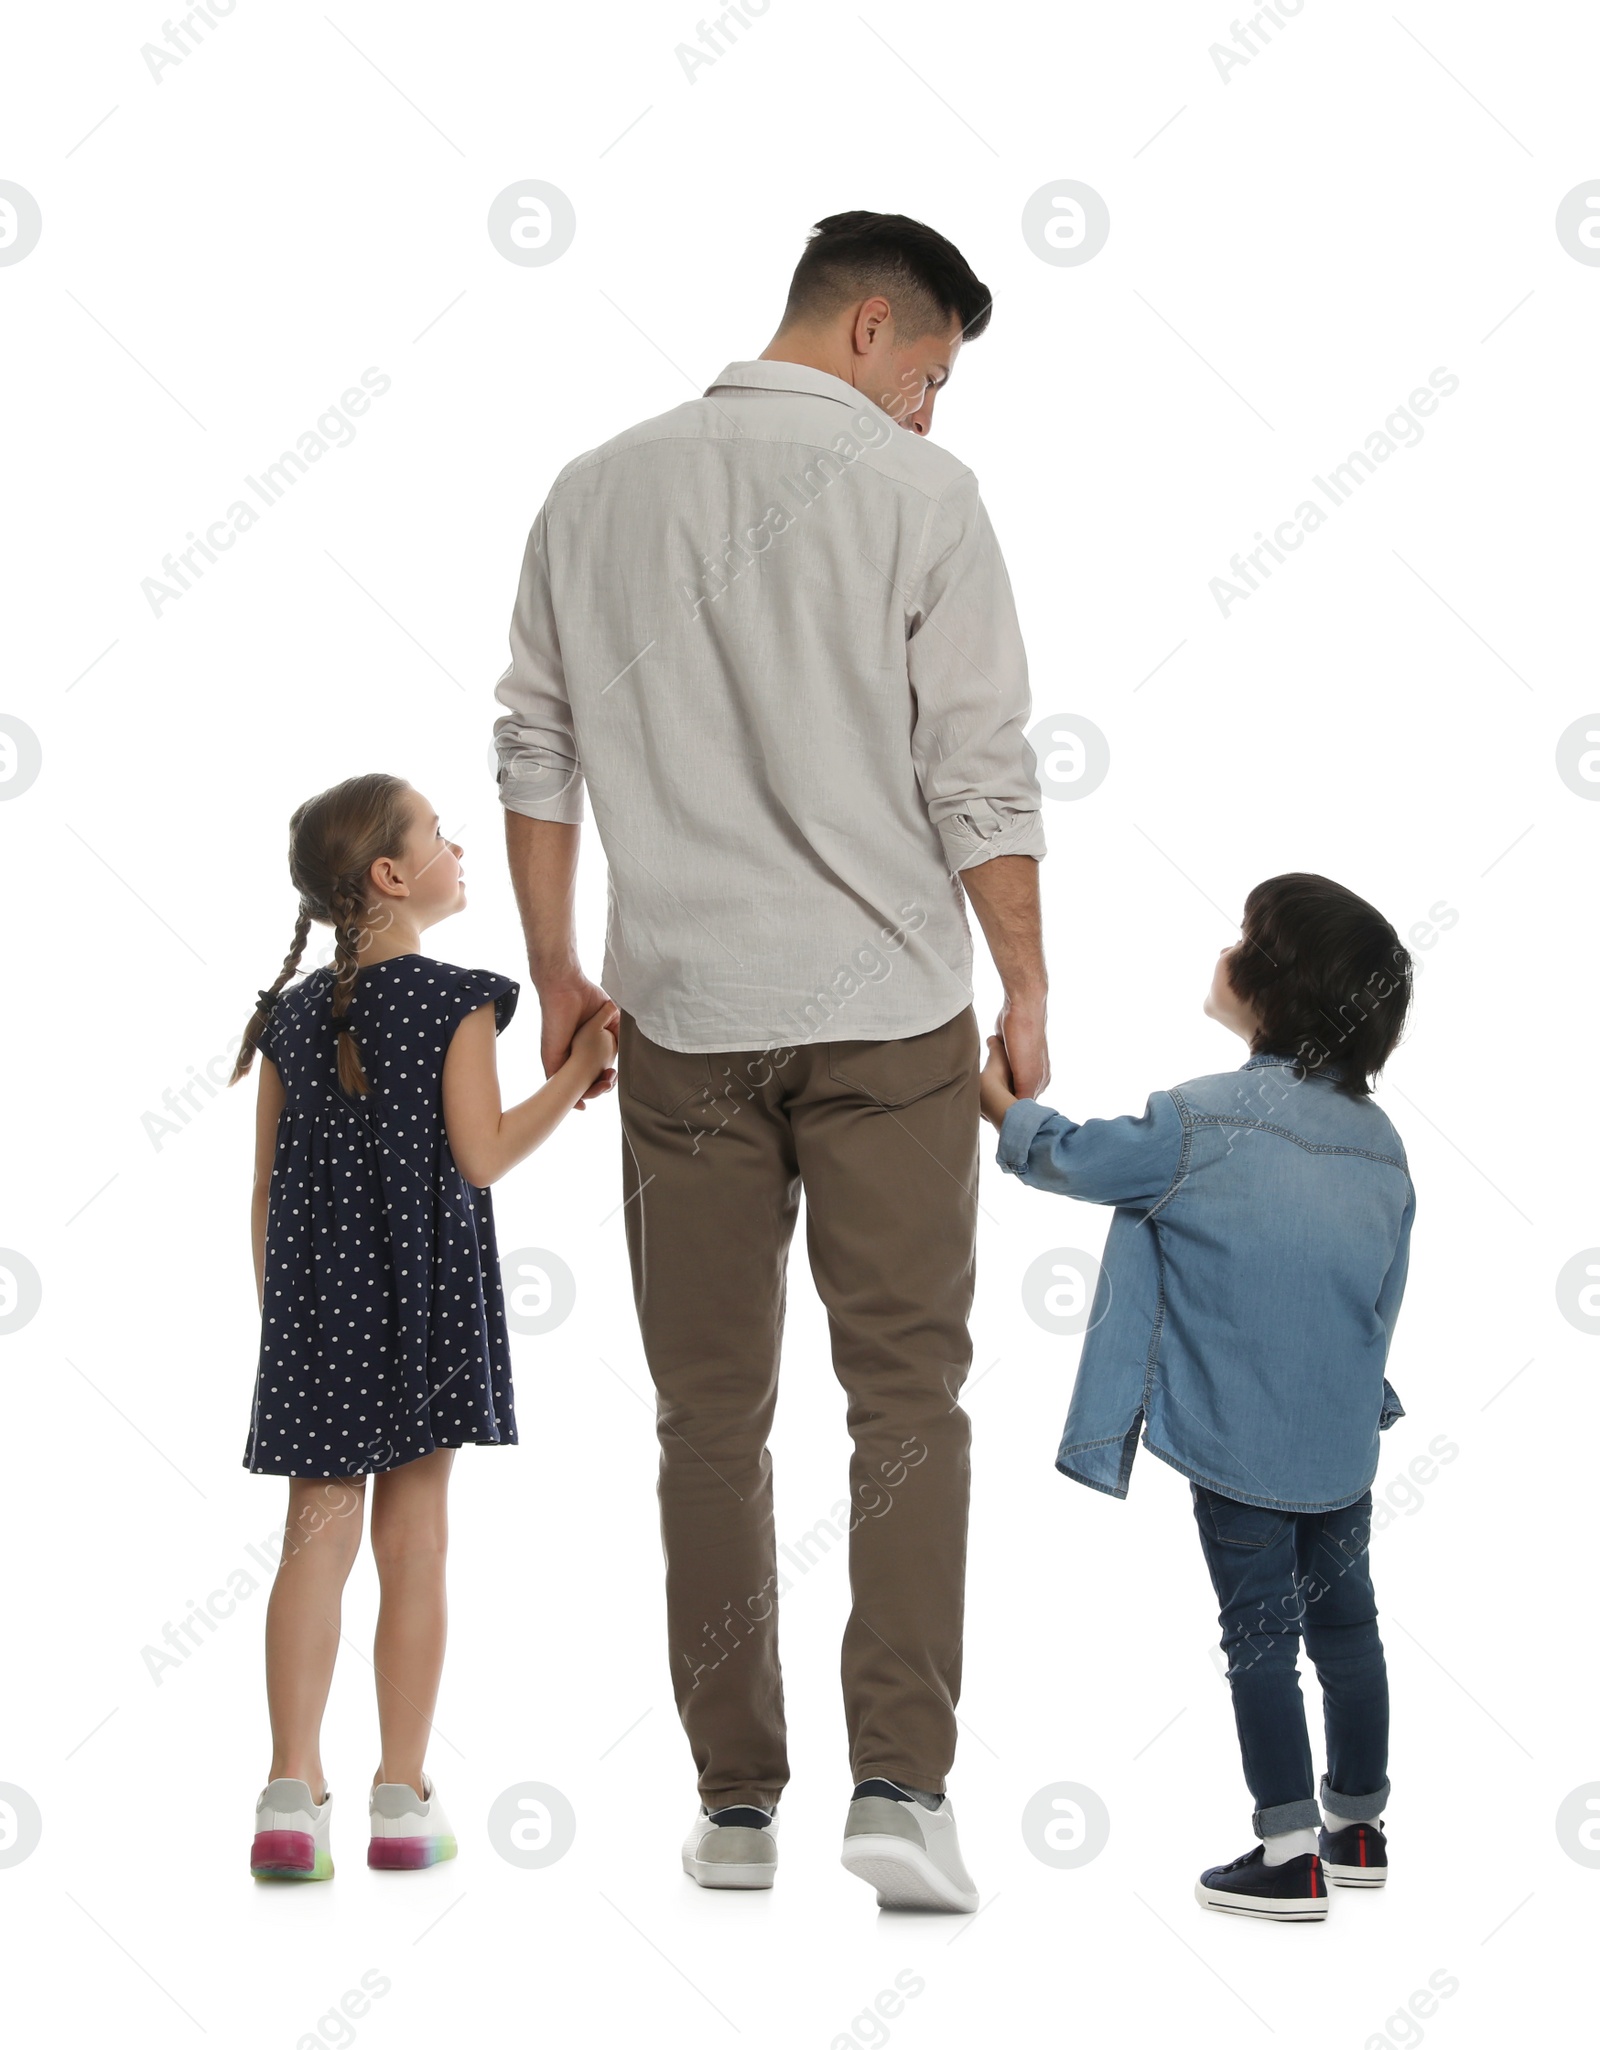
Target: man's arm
543	856
1005	894
541	787
969	679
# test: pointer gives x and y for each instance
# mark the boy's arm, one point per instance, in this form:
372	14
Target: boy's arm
1389	1298
1103	1160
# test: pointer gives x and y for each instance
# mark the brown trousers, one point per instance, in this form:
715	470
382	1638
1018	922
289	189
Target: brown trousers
882	1135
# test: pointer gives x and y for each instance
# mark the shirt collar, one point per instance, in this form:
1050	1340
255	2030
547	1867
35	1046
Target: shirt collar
1327	1069
765	375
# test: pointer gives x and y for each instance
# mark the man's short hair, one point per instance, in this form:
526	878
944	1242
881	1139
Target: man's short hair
855	256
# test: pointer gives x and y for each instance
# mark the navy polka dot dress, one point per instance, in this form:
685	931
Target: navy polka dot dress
383	1331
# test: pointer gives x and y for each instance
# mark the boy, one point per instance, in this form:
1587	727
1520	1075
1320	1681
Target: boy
1248	1293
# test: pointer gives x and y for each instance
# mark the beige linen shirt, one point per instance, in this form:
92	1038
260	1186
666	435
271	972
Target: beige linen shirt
772	634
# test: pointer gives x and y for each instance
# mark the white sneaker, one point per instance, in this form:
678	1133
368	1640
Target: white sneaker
910	1853
291	1840
731	1847
408	1833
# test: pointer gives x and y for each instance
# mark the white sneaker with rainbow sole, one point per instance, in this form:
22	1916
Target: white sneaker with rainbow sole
291	1839
409	1832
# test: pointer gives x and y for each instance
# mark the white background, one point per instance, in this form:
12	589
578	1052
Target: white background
1296	249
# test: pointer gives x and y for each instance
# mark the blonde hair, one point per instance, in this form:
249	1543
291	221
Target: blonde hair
334	838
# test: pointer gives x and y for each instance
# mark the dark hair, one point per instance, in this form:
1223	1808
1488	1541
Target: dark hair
925	279
334	838
1328	976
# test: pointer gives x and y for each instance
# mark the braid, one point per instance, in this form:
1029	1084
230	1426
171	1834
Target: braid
263	1010
334	838
344	901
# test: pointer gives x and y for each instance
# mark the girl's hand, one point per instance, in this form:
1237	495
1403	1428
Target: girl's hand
995	1093
563	1009
594	1046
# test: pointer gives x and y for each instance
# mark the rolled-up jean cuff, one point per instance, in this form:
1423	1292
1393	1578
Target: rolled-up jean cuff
1347	1808
1286	1816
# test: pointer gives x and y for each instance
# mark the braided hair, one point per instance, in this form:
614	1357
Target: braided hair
334	838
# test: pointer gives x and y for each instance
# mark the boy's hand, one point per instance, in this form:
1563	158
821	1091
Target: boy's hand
594	1045
995	1093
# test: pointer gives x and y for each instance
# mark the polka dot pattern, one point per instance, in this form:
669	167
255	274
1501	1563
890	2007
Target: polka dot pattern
383	1330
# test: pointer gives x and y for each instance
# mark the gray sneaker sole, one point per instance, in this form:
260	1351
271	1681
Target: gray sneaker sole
904	1875
748	1859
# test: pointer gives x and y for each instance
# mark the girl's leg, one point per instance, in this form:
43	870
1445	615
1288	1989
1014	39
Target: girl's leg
409	1537
322	1535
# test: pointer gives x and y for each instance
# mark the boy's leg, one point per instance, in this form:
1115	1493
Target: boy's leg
1341	1632
1250	1553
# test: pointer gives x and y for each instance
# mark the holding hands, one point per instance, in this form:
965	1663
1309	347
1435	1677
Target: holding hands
594	1050
569	1007
996	1086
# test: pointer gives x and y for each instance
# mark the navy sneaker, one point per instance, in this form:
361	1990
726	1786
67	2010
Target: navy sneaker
1294	1891
1357	1855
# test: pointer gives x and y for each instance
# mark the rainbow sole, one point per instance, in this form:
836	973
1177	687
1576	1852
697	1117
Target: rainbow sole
409	1853
288	1854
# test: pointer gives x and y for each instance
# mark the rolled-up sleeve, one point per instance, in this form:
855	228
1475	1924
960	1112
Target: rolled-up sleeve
539	772
969	681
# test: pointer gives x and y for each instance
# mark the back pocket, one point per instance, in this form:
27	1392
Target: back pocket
1238	1523
895	1072
659	1077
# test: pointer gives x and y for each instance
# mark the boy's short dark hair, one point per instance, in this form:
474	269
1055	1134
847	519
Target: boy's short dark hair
1328	975
925	278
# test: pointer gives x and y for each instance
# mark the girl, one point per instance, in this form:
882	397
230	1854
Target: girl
383	1338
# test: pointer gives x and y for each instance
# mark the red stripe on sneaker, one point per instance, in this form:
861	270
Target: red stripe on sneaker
1361	1842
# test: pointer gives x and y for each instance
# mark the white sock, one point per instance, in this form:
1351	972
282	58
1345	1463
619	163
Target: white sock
1331	1822
1292	1844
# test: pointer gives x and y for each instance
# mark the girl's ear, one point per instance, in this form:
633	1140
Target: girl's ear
386	879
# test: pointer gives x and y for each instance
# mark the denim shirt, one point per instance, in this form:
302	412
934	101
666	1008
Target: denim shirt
1249	1286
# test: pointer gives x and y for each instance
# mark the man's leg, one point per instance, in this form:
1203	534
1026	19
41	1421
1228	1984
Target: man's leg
711	1194
886	1135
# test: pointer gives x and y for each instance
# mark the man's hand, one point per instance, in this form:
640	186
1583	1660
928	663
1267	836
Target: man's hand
1022	1033
1005	894
995	1093
543	857
564	1007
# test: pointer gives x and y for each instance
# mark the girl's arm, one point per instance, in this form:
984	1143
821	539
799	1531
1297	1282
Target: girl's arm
269	1104
487	1142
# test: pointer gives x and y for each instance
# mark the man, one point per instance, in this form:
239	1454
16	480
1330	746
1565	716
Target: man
772	633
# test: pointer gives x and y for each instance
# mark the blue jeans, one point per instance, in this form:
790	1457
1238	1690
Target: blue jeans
1279	1577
